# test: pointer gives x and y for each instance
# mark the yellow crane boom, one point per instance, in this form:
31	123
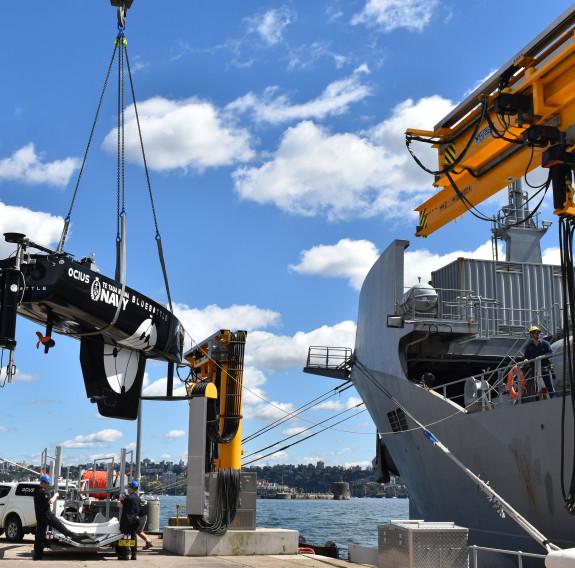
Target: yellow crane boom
522	117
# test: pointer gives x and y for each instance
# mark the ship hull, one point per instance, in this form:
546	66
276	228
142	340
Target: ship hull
517	449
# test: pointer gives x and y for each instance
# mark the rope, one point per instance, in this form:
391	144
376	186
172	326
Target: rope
68	216
305	430
304	439
319	399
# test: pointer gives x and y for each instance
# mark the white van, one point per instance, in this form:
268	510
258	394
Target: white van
17	515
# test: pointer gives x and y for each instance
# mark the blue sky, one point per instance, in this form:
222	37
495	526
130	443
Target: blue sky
274	137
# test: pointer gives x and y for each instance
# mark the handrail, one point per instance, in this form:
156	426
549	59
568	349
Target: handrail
474	549
502	372
328	357
492	319
178	507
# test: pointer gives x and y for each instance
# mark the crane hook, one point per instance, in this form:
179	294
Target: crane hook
122	6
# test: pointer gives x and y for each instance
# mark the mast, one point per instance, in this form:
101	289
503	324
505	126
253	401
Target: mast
519	228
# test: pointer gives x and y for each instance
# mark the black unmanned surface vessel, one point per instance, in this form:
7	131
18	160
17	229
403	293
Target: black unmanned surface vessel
118	328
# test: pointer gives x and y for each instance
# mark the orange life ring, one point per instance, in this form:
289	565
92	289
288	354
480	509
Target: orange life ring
511	380
305	550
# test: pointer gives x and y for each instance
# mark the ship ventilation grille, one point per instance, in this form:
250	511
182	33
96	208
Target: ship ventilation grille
397	420
509	267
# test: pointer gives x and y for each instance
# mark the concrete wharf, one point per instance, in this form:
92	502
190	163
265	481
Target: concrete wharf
20	556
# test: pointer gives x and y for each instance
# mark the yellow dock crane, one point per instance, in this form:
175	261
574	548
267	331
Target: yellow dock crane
215	433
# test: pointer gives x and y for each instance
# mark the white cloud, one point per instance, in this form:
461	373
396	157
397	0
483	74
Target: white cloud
171	435
420	263
98	416
276	457
392	14
304	56
362	464
280	352
97	457
268	411
338	405
292	431
26	166
390	135
346	175
166	456
346	259
343	451
22	377
270	25
137	65
255	402
353	260
552	255
253	379
159	388
3	429
478	84
38	226
334	100
99	439
314	172
202	323
185	134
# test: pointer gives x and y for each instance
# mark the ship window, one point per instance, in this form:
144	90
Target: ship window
397	420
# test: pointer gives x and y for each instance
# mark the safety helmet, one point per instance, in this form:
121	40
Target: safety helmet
533	328
45	478
134	484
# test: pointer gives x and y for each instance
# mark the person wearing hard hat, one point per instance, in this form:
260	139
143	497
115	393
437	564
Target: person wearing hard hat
130	510
45	517
538	348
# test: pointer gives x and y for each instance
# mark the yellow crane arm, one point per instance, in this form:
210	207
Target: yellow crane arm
501	131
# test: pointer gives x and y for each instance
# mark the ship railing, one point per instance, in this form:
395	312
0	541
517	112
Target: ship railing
320	357
484	391
421	303
498	321
474	553
449	304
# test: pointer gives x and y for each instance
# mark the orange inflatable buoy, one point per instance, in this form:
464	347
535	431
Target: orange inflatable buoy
511	381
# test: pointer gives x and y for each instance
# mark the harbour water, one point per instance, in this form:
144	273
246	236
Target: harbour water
344	522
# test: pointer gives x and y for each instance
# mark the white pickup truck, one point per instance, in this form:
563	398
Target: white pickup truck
17	508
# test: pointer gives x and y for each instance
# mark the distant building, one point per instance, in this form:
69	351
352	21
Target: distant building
167	476
320	465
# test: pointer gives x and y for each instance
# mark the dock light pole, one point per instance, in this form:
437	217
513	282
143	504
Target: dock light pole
139	443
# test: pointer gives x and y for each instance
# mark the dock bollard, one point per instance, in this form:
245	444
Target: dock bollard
153	523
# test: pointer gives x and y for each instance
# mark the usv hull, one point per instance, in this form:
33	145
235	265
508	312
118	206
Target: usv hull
118	327
80	301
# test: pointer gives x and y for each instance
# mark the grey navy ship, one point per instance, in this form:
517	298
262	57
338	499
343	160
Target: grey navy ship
450	353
